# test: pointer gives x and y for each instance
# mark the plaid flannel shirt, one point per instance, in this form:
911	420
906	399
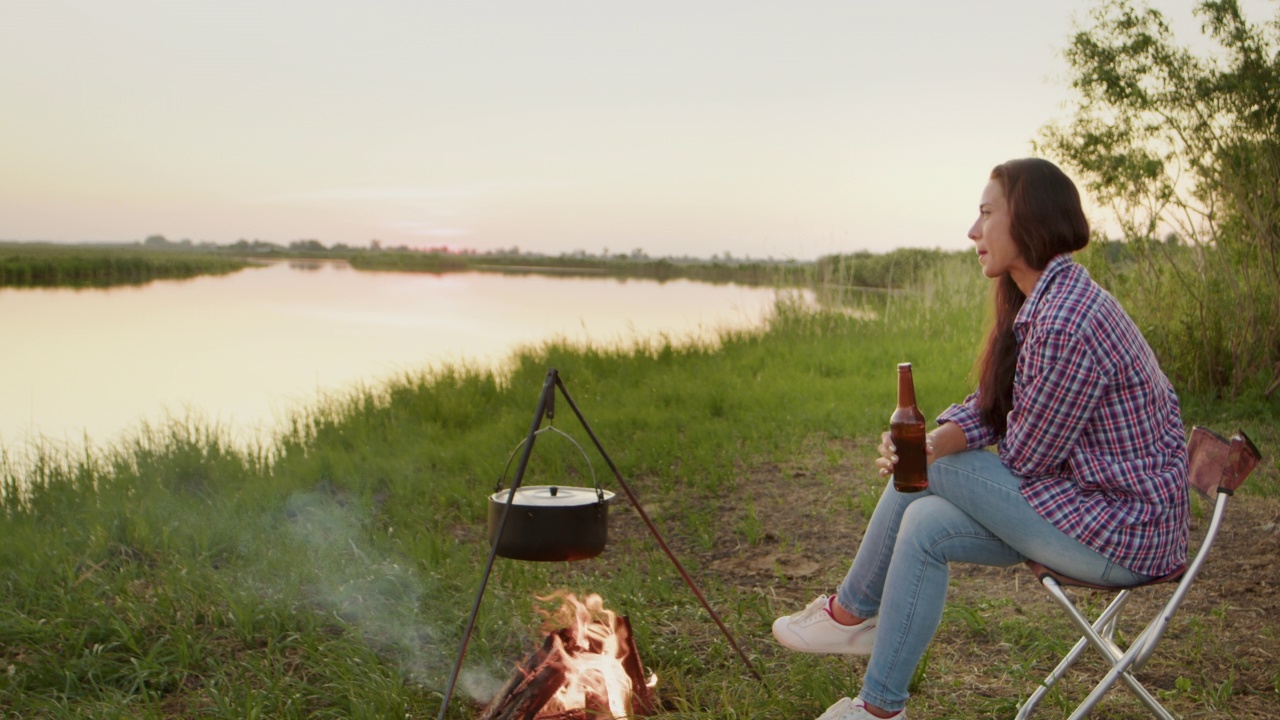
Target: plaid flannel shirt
1095	432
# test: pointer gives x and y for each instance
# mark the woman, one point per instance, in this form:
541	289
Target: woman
1090	476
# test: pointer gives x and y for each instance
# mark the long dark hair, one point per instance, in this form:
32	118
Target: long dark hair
1045	220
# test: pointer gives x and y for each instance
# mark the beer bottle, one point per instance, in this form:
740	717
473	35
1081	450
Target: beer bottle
906	430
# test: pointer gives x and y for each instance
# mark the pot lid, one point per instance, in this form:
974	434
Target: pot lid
552	496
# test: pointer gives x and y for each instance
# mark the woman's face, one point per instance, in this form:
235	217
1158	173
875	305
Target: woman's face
991	236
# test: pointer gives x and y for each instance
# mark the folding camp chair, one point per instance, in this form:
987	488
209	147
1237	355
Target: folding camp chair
1217	467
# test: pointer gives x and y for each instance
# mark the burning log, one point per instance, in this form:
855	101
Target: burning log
532	685
589	670
644	702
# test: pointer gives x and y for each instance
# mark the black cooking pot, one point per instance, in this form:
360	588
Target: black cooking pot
549	523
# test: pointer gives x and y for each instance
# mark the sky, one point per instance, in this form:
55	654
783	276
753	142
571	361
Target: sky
784	130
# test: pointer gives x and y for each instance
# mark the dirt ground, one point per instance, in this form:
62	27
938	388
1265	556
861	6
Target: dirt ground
1225	640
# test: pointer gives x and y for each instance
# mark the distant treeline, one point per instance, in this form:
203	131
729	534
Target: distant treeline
49	265
897	269
747	272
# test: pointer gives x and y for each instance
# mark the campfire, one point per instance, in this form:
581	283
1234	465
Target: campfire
587	669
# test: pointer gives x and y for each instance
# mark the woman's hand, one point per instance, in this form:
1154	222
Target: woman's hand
944	440
888	453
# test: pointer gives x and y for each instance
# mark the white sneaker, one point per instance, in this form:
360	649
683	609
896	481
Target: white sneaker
814	630
846	709
836	710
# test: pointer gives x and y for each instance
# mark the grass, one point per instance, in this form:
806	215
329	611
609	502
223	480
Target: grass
329	574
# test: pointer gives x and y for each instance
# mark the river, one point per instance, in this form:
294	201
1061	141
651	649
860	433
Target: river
244	351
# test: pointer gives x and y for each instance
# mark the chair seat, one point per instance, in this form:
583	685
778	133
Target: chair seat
1042	572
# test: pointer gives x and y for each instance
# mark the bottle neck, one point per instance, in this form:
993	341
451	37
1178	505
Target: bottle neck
906	388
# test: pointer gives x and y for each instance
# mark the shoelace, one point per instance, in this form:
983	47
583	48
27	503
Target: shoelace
814	612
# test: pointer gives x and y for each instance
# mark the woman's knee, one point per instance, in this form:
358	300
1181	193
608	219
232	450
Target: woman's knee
930	520
939	531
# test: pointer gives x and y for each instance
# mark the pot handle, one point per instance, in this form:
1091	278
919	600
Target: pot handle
594	480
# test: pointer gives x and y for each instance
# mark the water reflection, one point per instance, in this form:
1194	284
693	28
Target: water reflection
244	350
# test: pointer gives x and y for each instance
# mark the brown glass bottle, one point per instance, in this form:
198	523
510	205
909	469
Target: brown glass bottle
906	429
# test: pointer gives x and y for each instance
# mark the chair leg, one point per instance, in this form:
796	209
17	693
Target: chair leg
1099	634
1120	671
1122	663
1147	698
1030	705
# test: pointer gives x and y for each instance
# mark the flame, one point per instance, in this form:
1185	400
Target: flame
593	659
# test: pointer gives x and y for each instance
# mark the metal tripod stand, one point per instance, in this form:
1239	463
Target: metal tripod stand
545	409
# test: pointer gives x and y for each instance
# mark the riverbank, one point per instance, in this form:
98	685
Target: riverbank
328	574
48	265
84	266
244	350
106	265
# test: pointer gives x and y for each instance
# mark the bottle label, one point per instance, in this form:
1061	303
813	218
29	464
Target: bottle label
911	474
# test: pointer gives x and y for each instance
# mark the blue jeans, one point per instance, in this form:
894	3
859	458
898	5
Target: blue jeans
972	512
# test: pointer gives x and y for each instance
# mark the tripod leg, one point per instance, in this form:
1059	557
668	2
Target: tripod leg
653	530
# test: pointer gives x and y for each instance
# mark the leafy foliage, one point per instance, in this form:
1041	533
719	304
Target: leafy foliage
1187	147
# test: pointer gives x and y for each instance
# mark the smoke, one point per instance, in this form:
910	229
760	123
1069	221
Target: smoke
480	685
376	596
